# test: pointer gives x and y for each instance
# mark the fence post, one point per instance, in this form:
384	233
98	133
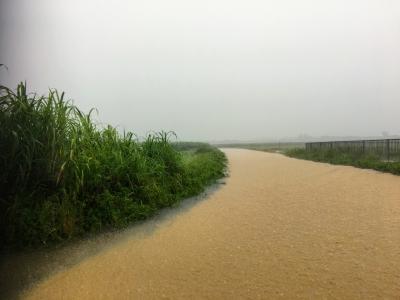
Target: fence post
388	149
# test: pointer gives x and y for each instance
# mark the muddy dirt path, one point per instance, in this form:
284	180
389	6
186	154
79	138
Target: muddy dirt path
279	228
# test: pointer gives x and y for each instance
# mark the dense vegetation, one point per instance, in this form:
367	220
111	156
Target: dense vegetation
190	146
365	161
62	176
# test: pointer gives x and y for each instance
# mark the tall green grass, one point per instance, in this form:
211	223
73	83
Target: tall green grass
337	157
62	176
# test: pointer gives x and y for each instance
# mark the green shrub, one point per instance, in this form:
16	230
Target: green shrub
62	176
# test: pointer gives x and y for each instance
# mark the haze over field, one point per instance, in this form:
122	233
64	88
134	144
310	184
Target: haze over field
214	70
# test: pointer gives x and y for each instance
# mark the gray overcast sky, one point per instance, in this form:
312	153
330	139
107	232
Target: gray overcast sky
214	70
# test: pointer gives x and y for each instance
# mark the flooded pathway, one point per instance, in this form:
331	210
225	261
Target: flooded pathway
279	228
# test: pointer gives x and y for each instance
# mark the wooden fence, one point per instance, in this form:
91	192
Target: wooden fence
387	149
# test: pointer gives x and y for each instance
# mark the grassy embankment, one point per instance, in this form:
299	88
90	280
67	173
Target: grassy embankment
62	176
360	160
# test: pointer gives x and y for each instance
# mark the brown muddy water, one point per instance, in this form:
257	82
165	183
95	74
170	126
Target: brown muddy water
279	228
20	271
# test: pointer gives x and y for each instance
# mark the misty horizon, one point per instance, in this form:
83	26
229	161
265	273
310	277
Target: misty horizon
215	70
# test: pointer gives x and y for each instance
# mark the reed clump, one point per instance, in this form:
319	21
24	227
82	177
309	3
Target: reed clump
61	175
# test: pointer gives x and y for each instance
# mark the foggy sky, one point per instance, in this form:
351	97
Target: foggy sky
214	70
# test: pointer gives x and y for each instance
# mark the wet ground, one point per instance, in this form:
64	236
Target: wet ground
20	270
279	228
